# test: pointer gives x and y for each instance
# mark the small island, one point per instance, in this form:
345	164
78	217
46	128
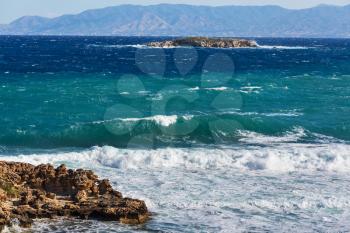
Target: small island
28	192
205	42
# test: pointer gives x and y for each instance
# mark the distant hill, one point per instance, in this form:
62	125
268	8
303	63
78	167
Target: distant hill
180	20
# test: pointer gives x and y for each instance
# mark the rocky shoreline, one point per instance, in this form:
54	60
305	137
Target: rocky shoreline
29	192
205	42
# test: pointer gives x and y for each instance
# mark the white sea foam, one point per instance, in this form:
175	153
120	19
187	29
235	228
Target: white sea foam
282	47
163	120
293	113
159	119
287	114
251	89
283	157
209	88
217	88
142	46
256	138
118	46
194	89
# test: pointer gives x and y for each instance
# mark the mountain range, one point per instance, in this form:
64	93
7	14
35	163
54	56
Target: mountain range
188	20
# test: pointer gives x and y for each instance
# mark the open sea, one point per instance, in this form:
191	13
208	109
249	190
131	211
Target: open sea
214	140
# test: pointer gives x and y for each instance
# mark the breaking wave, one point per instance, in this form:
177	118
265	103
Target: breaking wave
278	158
139	46
161	120
282	47
228	127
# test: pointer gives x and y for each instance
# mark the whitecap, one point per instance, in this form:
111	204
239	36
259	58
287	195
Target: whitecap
283	114
282	47
194	89
292	113
118	46
257	138
284	157
162	120
250	89
217	88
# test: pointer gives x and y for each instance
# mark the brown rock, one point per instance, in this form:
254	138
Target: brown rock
3	195
61	170
51	195
105	187
205	42
26	197
46	192
81	196
25	222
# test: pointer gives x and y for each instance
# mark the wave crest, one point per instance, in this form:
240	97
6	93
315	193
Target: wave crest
280	158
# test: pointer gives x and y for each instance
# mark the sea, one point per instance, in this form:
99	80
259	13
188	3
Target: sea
213	140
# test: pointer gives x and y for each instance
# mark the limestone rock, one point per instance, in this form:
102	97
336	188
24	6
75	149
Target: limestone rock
205	42
28	192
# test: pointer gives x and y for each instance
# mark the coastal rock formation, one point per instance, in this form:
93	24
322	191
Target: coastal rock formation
205	42
28	192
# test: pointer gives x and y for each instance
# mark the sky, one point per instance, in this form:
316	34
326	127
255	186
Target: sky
13	9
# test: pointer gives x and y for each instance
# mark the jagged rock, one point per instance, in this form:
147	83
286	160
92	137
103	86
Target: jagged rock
3	195
205	42
105	187
28	192
81	196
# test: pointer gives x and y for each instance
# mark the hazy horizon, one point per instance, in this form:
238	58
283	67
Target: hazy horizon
55	8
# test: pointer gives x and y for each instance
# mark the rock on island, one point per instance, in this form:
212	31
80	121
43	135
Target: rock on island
205	42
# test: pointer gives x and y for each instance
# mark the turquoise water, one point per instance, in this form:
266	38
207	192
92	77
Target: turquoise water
213	139
80	110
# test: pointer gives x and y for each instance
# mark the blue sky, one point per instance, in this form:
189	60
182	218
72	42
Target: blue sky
12	9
